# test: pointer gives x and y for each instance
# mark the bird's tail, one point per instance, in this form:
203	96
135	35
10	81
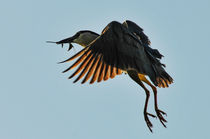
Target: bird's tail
163	79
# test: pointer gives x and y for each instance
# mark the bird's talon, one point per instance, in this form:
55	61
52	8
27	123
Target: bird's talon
151	115
160	114
149	124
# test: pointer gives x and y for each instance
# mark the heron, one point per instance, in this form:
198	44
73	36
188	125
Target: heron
120	48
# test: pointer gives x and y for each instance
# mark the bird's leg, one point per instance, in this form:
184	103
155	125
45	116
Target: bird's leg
135	77
149	124
159	112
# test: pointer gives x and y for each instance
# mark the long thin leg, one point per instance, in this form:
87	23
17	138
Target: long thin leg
159	112
135	77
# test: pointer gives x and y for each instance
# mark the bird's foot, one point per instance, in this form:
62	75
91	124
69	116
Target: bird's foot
160	114
149	124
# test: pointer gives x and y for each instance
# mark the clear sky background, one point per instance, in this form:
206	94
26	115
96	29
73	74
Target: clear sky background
37	101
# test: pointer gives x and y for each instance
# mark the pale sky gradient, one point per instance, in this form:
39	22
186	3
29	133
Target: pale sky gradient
37	101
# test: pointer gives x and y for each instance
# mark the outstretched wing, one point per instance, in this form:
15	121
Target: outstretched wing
117	49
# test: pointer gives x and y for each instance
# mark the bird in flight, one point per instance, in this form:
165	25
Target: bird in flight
120	48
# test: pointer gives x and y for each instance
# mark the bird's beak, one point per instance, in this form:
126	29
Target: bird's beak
70	46
67	40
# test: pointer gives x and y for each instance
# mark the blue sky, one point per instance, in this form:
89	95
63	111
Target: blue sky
38	102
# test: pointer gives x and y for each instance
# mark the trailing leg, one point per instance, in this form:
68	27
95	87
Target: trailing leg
135	77
159	112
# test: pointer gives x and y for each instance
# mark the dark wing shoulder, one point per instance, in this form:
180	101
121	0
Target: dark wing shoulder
119	47
139	32
133	27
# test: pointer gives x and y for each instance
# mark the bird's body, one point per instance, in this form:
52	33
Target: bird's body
120	47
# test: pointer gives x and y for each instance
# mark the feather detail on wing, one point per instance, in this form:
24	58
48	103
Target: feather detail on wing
116	50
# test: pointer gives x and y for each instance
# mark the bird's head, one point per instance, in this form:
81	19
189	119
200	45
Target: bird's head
85	37
82	38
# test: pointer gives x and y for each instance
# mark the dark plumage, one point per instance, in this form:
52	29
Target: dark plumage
120	48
